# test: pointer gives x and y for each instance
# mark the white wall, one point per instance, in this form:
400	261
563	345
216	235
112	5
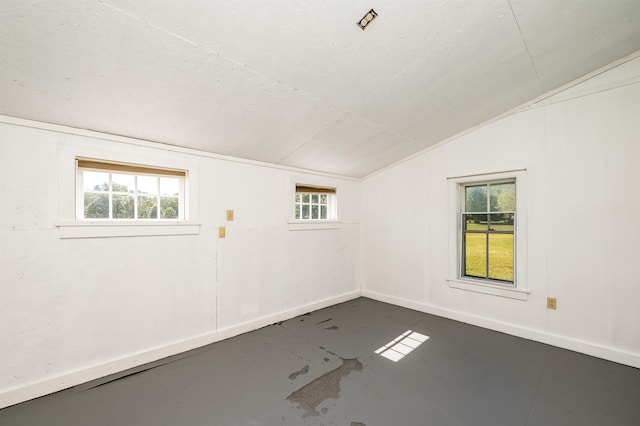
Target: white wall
582	154
74	309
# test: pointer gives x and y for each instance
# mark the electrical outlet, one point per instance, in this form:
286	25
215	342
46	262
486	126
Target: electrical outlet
229	215
552	303
222	232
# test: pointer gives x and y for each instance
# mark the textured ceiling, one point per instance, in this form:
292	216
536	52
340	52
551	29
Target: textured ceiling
298	83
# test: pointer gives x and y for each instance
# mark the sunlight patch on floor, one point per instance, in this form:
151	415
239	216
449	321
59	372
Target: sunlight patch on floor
402	345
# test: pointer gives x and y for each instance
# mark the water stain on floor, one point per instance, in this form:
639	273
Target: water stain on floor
324	387
295	374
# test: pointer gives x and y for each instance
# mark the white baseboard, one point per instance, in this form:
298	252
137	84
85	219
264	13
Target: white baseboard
611	354
74	378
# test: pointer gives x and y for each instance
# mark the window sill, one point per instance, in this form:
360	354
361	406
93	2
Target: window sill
486	288
111	229
311	225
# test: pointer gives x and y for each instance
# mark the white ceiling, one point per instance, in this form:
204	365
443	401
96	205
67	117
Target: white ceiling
298	83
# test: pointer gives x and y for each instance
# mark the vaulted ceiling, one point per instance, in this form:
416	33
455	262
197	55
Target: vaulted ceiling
298	83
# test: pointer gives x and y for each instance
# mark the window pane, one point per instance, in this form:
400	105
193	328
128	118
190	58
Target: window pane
503	197
475	199
147	207
95	181
96	206
501	257
122	183
169	207
475	222
475	252
312	206
122	207
148	185
170	186
502	222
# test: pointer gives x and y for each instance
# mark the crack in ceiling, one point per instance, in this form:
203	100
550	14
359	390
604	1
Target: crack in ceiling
524	41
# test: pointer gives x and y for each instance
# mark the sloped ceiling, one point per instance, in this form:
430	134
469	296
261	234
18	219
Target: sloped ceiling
298	83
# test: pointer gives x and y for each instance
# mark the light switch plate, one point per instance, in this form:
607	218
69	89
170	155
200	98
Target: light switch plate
222	232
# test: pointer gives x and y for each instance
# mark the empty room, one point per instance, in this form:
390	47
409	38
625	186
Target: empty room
326	212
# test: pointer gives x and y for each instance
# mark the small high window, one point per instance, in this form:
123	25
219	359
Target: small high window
117	191
315	203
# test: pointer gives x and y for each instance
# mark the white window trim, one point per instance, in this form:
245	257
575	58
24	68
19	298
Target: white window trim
124	228
519	289
80	192
313	224
309	225
70	227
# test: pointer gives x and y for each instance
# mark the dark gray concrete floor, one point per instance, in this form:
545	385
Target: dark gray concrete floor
322	369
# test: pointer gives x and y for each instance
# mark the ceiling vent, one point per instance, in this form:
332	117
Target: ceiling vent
367	19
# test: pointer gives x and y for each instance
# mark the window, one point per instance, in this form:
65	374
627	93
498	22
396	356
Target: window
488	234
315	203
116	191
488	218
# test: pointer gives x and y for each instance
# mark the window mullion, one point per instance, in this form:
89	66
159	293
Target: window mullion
487	255
463	257
182	200
486	252
110	196
157	198
135	197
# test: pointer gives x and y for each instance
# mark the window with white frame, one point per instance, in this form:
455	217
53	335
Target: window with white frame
487	234
117	191
488	221
315	203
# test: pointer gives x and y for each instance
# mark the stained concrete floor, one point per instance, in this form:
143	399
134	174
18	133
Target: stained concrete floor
322	369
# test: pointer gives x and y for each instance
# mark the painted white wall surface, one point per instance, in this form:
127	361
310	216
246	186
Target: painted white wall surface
581	151
74	309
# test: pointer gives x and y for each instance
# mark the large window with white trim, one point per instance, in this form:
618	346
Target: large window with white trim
488	233
488	218
118	191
